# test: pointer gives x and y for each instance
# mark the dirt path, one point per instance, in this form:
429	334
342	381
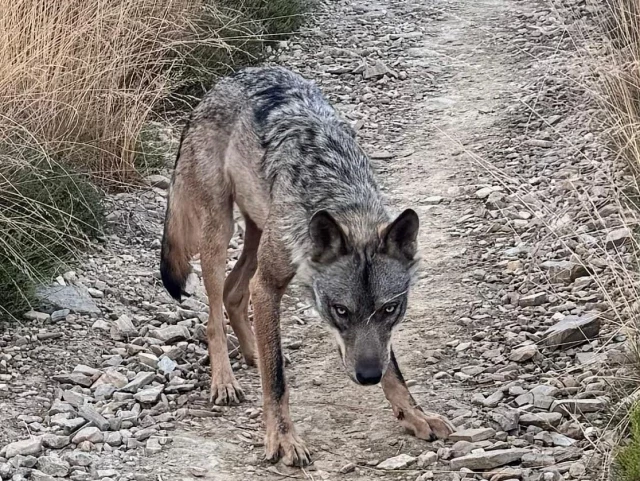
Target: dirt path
431	85
417	131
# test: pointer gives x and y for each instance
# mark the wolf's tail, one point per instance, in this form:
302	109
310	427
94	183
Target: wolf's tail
181	237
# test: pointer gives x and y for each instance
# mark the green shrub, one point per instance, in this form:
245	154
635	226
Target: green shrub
47	212
628	459
236	33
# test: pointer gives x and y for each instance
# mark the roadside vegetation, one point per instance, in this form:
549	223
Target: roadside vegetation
80	84
621	81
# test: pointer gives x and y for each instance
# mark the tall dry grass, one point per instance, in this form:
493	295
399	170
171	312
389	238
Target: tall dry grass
620	77
79	82
81	77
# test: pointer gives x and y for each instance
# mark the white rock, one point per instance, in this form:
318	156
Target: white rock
401	461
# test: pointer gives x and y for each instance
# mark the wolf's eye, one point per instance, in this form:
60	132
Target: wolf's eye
390	309
341	310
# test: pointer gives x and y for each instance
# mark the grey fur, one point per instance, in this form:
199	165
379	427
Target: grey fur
269	138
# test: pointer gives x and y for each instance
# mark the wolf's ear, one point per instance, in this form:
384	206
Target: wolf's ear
329	241
400	238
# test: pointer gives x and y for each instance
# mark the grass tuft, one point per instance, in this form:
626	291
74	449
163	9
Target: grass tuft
628	458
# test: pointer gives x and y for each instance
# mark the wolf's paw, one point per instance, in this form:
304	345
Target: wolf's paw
226	393
428	426
288	447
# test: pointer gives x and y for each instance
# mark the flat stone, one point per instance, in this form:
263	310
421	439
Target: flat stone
561	440
157	180
618	237
541	420
545	390
95	293
60	315
577	470
37	475
89	433
488	460
113	438
537	460
147	359
524	353
24	461
153	446
542	401
504	474
167	365
102	325
87	370
533	300
472	435
113	378
563	271
74	398
401	461
75	298
141	380
484	192
572	330
55	441
89	413
377	70
462	448
545	144
74	378
53	466
123	329
104	392
36	316
171	334
427	459
433	200
61	407
149	395
506	418
578	406
202	472
67	423
493	400
25	447
106	473
78	458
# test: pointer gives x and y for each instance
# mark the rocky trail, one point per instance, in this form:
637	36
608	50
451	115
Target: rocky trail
474	114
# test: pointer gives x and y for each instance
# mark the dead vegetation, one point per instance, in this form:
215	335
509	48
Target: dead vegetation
620	81
79	81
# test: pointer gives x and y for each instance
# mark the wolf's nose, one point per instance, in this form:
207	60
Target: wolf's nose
368	375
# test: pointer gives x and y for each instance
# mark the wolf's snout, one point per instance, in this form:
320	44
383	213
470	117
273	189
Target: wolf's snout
368	372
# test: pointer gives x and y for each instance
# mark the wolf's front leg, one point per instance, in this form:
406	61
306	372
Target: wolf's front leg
281	440
423	425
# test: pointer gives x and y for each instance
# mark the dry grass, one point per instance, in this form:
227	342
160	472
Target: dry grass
622	78
84	76
79	82
620	95
81	77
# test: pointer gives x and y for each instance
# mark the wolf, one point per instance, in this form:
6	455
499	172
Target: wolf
267	140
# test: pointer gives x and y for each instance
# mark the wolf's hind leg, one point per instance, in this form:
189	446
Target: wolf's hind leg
236	292
216	234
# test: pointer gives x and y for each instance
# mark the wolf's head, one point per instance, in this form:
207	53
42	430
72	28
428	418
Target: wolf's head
360	289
